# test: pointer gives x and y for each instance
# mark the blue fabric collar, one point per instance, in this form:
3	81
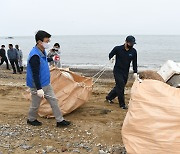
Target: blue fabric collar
40	52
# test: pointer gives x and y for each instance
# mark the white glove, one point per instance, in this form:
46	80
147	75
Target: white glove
140	80
40	93
135	75
112	60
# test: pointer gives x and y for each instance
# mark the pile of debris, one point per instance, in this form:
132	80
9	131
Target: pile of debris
168	73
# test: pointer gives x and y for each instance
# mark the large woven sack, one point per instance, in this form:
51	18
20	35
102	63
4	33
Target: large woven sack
152	123
71	90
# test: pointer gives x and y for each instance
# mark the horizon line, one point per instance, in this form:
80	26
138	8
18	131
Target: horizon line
94	35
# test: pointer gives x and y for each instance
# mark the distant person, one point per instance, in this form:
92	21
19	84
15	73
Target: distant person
13	58
125	54
55	51
3	57
38	79
20	58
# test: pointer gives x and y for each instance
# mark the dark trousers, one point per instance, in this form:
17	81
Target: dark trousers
13	62
4	59
118	90
21	68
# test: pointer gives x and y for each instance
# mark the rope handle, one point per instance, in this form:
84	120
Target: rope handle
102	71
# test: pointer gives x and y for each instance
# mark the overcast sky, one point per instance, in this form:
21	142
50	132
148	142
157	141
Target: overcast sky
90	17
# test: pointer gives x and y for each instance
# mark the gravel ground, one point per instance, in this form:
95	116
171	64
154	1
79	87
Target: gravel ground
95	129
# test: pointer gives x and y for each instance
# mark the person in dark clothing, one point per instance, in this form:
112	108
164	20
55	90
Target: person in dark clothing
13	58
3	57
125	54
38	80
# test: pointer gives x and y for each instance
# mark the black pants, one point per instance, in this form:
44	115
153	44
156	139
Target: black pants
21	68
4	59
118	90
15	61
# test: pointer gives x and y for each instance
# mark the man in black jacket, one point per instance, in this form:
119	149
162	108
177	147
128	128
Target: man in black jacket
125	54
3	57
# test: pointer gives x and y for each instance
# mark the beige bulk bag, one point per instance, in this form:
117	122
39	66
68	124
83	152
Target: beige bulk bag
152	123
71	90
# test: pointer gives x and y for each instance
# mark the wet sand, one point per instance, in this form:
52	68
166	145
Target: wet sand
96	125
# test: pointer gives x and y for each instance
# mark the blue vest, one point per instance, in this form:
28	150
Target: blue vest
44	73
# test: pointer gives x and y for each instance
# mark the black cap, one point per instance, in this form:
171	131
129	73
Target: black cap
131	39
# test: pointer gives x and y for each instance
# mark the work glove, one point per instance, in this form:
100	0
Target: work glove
40	93
112	60
135	75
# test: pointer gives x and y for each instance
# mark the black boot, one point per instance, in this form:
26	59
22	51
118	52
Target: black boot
109	101
63	123
34	123
21	68
124	107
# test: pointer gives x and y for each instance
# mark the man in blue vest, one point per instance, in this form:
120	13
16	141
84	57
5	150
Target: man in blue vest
38	79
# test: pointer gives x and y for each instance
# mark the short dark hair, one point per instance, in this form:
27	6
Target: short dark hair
57	44
3	46
10	45
40	35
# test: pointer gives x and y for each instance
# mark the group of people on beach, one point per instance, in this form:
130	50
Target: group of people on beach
14	56
38	75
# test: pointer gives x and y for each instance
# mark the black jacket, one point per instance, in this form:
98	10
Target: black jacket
124	59
2	53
